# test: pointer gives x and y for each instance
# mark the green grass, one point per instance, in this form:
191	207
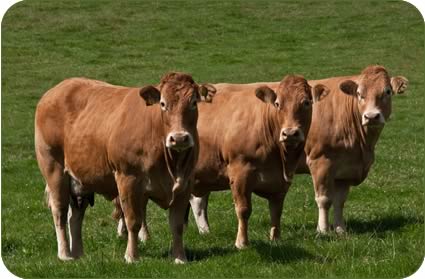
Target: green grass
134	43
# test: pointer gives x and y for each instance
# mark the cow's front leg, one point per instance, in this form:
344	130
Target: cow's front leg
276	206
199	207
130	194
242	198
339	198
323	188
76	212
176	220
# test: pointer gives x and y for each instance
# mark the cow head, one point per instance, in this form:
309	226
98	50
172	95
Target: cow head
178	95
373	91
293	105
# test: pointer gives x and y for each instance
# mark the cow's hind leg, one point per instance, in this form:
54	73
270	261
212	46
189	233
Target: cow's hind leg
77	208
58	199
199	207
144	231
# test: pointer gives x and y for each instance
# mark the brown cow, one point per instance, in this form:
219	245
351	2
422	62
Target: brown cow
252	143
340	145
93	137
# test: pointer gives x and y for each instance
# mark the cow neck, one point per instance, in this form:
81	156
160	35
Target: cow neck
289	157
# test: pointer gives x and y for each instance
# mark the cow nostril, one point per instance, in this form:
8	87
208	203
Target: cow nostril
372	116
172	139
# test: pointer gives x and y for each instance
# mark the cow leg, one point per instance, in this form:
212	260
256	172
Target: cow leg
57	196
176	221
340	196
130	194
121	228
276	206
58	193
144	232
323	188
75	222
117	214
199	207
242	198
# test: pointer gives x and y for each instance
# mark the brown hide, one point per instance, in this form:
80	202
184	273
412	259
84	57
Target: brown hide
345	128
113	140
243	144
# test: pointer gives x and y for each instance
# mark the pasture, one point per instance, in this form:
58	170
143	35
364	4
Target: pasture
133	43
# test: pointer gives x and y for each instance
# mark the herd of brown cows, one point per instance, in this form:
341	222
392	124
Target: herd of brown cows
175	142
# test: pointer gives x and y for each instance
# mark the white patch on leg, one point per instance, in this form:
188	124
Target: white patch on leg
121	228
323	203
199	209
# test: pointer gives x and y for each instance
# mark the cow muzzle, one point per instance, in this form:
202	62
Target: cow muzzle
373	118
179	141
291	136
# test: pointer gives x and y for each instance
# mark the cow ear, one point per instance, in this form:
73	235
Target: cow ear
319	91
150	94
349	87
207	92
266	94
399	84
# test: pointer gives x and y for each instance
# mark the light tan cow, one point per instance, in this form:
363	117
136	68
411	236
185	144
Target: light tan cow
93	137
340	146
251	142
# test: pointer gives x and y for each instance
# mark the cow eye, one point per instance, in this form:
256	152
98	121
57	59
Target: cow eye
361	97
306	103
163	105
388	91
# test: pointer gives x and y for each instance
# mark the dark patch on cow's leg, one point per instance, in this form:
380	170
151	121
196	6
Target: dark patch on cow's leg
186	217
275	207
76	212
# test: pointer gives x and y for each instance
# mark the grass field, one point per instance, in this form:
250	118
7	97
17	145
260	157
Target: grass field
134	43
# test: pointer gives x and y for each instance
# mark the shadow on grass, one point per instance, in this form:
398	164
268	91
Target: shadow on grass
381	225
196	255
282	253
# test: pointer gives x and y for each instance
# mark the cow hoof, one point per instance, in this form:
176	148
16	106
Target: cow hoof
340	230
144	236
274	234
241	246
77	254
204	230
65	258
121	229
180	261
130	259
322	231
